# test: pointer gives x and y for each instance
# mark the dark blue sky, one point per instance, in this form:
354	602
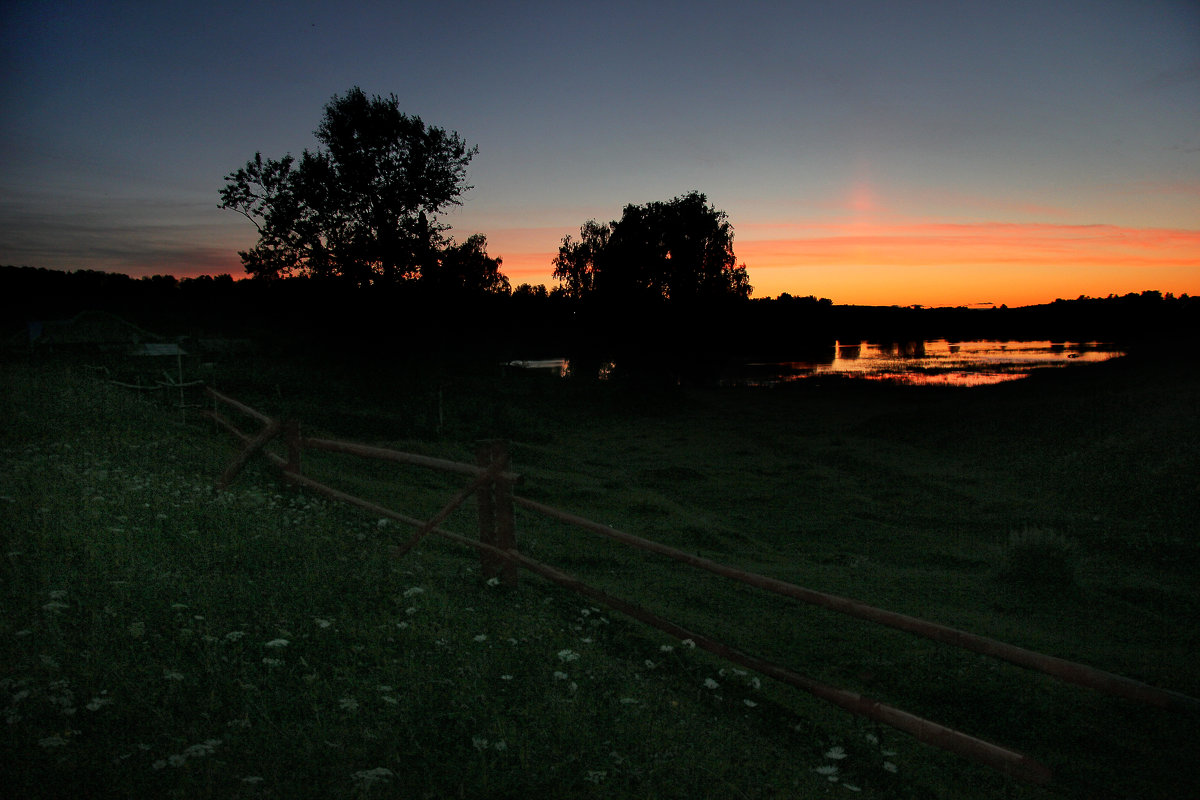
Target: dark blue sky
924	152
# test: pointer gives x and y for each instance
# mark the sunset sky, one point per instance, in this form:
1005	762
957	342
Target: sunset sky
935	153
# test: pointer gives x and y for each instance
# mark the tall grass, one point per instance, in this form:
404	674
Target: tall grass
1038	559
160	639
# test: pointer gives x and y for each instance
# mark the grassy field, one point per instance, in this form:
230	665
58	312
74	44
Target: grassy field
160	639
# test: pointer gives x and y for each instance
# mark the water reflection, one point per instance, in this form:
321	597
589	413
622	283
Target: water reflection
942	362
935	362
559	367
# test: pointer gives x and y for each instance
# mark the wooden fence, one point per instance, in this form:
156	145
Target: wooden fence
492	482
167	384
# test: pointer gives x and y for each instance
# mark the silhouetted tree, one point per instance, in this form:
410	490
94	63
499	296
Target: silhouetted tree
680	251
468	268
364	206
527	291
575	266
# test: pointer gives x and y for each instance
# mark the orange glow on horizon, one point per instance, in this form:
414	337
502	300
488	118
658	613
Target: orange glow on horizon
967	263
863	262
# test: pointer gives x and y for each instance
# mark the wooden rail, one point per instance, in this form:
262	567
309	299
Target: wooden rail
1069	671
383	454
492	486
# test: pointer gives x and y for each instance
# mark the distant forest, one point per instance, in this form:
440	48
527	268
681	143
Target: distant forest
531	322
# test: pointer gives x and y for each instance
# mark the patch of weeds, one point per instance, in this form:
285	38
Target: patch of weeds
1038	559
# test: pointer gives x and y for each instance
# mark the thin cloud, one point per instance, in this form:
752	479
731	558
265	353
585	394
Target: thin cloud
88	235
1185	75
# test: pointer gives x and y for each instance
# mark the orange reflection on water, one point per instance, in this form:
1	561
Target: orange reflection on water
936	362
940	362
949	378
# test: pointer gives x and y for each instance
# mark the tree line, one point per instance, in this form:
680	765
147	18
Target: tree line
538	321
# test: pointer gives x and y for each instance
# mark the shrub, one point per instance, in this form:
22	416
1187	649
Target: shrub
1038	557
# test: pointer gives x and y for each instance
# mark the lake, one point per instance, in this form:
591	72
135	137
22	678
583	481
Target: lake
930	362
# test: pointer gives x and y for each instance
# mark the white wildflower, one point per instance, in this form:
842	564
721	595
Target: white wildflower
205	748
481	637
277	643
567	655
99	702
415	590
688	643
377	775
836	753
709	683
830	772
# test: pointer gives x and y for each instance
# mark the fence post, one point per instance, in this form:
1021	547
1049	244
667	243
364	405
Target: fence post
291	434
495	505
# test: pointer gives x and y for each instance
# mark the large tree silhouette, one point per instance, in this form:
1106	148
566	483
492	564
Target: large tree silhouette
679	251
364	206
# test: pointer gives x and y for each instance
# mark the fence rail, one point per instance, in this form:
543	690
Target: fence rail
1059	668
492	484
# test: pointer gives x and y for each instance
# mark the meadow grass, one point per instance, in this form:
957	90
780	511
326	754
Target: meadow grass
161	639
